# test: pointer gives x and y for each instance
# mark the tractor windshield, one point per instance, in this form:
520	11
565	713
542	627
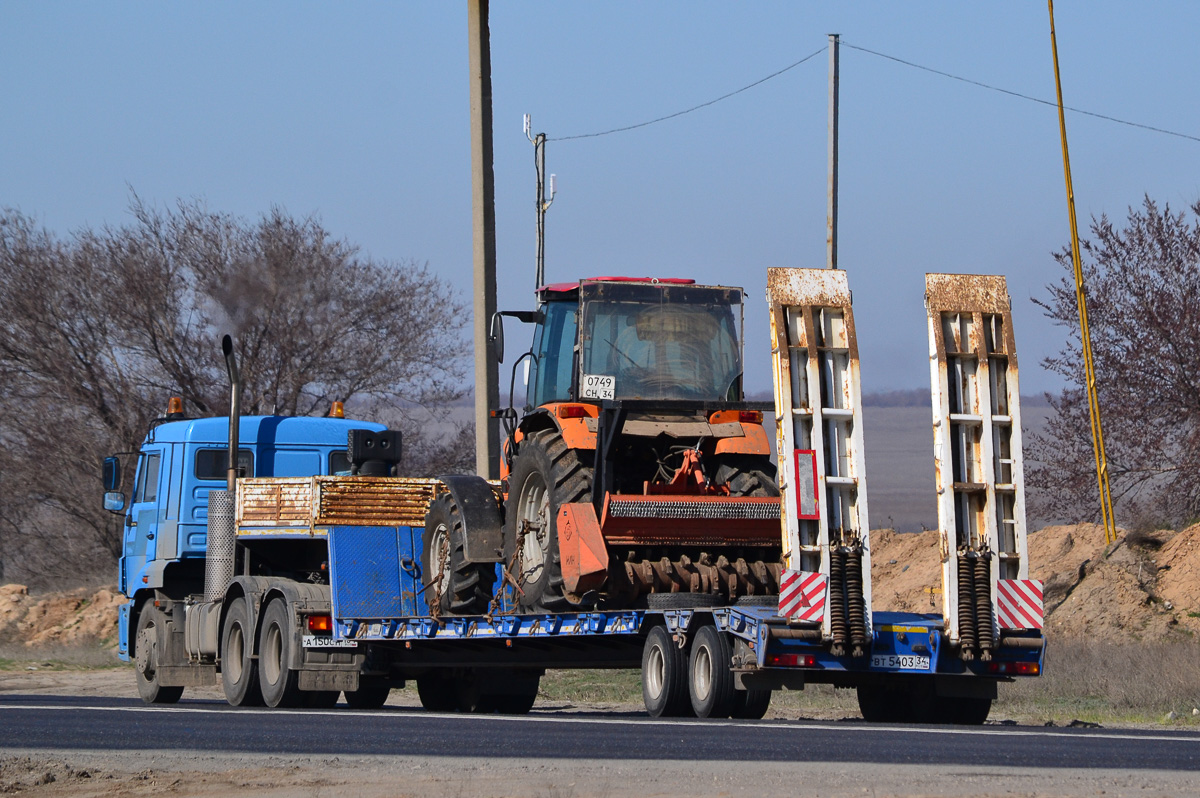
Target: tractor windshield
655	341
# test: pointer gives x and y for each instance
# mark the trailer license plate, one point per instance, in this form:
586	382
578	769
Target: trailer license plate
903	662
321	641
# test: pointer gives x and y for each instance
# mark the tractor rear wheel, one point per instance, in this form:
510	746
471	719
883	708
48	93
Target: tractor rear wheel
458	587
546	474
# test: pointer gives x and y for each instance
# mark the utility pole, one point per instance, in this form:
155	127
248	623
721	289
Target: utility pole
831	218
483	218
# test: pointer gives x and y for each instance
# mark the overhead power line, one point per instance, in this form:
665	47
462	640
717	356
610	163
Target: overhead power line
1017	94
693	108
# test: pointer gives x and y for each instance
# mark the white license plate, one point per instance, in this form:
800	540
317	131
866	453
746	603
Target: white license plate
598	386
321	641
903	662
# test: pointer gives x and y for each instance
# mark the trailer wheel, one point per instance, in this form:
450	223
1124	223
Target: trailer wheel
239	669
460	587
710	681
750	704
881	703
546	474
438	693
369	697
963	711
664	676
279	683
151	624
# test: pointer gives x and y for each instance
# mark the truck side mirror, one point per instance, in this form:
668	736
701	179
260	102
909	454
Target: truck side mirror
496	337
114	501
112	476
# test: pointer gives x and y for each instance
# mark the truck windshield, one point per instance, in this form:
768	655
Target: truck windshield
643	341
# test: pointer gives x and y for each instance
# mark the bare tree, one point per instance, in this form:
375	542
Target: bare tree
101	327
1143	292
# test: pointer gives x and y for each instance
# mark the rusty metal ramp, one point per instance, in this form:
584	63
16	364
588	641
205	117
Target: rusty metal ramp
818	405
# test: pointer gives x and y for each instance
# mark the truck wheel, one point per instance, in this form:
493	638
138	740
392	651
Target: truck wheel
277	681
546	474
371	697
664	676
750	704
746	475
963	711
518	704
883	703
710	681
321	699
460	587
438	693
239	669
151	624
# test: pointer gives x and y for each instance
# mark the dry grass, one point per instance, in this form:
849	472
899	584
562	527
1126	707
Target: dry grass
1105	682
16	657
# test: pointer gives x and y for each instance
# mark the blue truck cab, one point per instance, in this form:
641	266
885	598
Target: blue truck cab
180	462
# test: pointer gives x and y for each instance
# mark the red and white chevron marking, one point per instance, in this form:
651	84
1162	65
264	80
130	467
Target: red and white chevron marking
1019	603
802	595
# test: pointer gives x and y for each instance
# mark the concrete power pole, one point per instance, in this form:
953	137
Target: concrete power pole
483	216
831	219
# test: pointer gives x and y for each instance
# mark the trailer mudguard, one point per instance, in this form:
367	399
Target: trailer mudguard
483	524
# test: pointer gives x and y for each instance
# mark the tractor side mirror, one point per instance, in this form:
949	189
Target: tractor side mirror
112	476
496	337
114	501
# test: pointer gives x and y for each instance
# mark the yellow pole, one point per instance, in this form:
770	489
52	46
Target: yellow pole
1106	511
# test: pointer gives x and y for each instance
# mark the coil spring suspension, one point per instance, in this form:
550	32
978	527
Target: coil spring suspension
966	606
838	627
856	603
983	606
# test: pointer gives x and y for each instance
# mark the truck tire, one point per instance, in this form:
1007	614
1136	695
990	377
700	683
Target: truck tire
438	693
151	626
710	680
370	697
239	669
750	704
460	587
546	474
746	475
664	676
279	683
893	703
321	699
963	711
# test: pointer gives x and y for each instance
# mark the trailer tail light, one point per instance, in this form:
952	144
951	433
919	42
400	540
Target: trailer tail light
318	624
1014	668
750	416
790	661
571	411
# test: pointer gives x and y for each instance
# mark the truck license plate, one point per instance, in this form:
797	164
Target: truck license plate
321	641
903	662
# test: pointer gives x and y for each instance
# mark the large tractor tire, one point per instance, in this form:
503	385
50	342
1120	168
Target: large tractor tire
546	474
458	587
746	475
151	631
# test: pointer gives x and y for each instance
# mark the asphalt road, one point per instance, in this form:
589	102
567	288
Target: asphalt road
53	723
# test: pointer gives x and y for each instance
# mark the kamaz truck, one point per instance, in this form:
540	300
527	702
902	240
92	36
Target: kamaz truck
639	524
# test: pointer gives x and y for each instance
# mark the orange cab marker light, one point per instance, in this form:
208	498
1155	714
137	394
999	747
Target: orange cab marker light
175	406
320	623
571	411
337	410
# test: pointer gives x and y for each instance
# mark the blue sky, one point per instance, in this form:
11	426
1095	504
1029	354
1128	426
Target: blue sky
358	112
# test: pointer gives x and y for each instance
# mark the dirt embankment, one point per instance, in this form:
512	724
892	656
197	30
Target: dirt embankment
1146	586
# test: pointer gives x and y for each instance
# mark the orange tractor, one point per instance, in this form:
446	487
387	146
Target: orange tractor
636	475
